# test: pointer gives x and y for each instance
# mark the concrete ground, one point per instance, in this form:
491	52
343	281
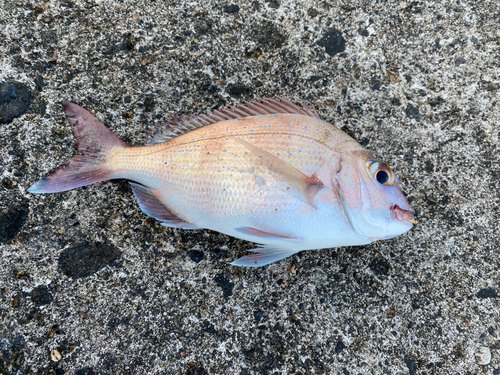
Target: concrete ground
91	285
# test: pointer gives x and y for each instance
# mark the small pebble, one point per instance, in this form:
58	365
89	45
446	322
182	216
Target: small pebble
483	356
55	356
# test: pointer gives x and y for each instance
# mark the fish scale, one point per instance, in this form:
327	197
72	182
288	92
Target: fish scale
270	172
217	185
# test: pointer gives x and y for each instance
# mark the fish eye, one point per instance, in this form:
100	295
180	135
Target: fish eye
381	172
382	177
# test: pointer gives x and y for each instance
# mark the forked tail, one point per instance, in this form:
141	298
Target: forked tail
94	140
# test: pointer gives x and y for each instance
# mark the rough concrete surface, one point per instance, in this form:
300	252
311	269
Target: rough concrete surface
91	285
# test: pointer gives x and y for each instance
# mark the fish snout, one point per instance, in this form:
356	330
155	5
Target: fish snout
401	214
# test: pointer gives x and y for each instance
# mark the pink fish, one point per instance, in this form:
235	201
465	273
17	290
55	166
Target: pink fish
270	172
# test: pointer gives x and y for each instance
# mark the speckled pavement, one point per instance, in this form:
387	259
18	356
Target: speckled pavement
91	285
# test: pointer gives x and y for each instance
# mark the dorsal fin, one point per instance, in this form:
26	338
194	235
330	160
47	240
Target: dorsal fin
178	125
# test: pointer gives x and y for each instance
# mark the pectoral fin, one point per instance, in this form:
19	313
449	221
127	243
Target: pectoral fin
295	182
263	256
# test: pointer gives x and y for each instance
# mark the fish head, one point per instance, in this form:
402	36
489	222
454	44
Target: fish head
372	198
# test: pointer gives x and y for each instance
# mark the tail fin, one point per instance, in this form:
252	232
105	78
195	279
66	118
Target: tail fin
94	140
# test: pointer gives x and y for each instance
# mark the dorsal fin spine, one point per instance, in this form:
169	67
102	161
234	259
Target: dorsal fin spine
287	109
251	109
288	105
270	104
222	115
264	108
195	121
239	111
207	118
229	114
217	118
259	111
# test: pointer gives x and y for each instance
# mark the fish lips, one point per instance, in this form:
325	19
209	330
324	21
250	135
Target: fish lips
402	214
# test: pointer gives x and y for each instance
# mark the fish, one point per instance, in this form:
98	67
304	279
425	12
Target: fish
269	171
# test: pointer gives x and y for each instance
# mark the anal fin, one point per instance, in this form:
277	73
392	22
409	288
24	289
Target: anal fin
266	235
152	206
263	256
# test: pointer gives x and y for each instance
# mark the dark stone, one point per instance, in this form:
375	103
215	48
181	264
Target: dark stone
123	45
379	266
363	32
85	258
258	315
11	221
202	26
268	36
487	293
435	102
232	8
375	84
208	87
15	99
412	367
458	351
85	371
39	82
339	347
149	103
493	86
459	61
311	12
8	183
333	41
208	327
224	283
274	4
196	256
238	90
413	112
195	369
41	295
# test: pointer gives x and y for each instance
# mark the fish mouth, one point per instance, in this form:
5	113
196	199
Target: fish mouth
401	214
